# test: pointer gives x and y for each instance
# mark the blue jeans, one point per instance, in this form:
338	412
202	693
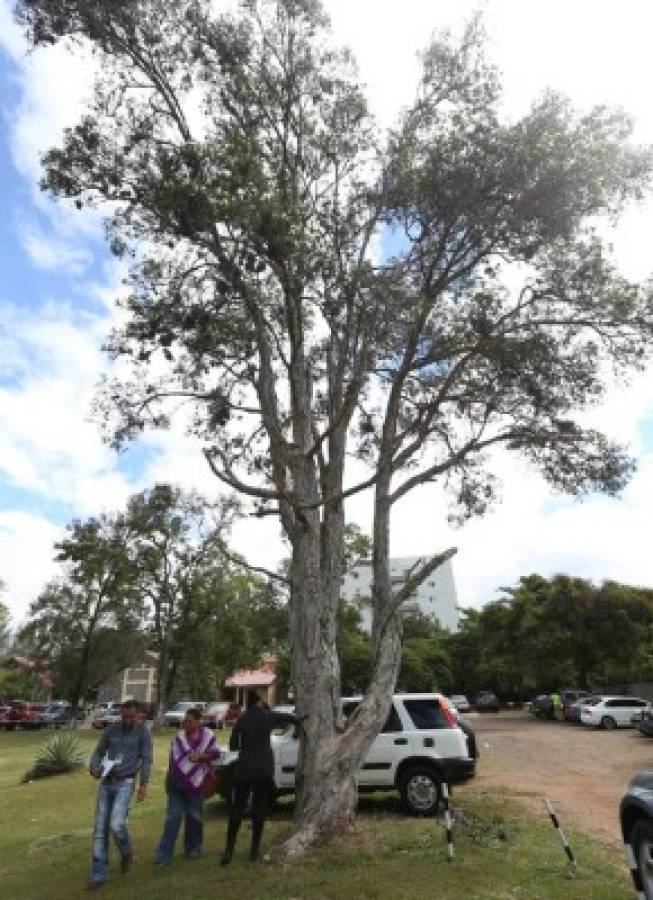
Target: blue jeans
182	804
113	799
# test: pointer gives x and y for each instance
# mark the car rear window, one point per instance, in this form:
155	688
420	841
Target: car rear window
392	723
426	714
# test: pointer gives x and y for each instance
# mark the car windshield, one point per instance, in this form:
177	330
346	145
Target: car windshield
591	701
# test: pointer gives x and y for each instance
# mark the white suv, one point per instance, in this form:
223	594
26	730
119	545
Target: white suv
420	746
611	712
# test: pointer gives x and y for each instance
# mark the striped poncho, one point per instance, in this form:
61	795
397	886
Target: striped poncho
191	775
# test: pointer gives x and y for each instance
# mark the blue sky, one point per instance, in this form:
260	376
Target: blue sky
57	283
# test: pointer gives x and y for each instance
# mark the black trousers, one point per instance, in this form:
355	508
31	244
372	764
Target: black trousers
260	790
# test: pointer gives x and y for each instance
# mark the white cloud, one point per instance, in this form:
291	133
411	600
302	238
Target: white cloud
51	254
26	558
10	37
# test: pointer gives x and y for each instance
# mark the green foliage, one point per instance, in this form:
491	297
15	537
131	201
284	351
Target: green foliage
354	650
20	684
358	546
238	617
60	756
173	541
545	634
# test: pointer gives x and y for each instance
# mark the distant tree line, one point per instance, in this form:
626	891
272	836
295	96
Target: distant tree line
547	633
160	576
540	635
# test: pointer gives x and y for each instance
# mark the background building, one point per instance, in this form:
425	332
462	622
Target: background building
435	597
138	682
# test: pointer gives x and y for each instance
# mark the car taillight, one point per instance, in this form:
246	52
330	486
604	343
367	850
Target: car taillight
449	714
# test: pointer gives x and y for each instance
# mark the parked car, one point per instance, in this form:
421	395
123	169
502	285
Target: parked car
420	746
636	817
107	714
486	701
572	714
57	715
111	712
23	715
568	697
611	712
461	703
175	715
542	706
645	723
213	715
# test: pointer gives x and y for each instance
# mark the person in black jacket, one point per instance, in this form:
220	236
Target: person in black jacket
254	770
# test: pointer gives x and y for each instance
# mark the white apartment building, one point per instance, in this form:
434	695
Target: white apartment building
435	597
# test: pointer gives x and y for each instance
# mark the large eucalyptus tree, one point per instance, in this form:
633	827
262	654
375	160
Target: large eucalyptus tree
308	288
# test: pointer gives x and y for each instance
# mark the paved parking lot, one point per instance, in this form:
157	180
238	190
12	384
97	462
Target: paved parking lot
582	770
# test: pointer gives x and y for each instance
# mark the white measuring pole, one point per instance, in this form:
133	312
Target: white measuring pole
563	839
447	821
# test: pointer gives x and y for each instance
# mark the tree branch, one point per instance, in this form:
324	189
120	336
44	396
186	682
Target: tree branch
239	561
419	576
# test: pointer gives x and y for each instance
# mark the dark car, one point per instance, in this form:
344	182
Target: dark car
542	706
645	723
486	701
636	816
568	698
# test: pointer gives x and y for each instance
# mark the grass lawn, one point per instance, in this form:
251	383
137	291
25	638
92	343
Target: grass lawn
501	852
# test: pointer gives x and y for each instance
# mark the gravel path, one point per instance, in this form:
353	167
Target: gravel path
582	770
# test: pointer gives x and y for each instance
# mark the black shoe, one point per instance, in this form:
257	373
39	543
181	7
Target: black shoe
226	858
253	855
126	861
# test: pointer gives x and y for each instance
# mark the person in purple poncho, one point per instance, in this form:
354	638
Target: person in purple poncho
191	754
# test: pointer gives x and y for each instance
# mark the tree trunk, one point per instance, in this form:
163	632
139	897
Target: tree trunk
331	750
326	784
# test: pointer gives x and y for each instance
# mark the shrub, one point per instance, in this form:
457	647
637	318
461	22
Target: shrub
59	756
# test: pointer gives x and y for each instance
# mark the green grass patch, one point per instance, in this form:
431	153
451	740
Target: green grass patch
501	851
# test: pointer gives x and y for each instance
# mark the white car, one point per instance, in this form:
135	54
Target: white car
175	715
420	747
611	712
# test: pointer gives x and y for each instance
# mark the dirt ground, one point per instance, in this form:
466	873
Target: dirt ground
583	771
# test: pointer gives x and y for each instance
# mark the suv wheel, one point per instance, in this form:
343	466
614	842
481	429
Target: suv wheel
420	791
641	841
608	723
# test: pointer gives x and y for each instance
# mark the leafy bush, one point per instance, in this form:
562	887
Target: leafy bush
59	756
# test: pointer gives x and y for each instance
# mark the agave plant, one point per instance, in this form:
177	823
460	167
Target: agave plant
62	754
